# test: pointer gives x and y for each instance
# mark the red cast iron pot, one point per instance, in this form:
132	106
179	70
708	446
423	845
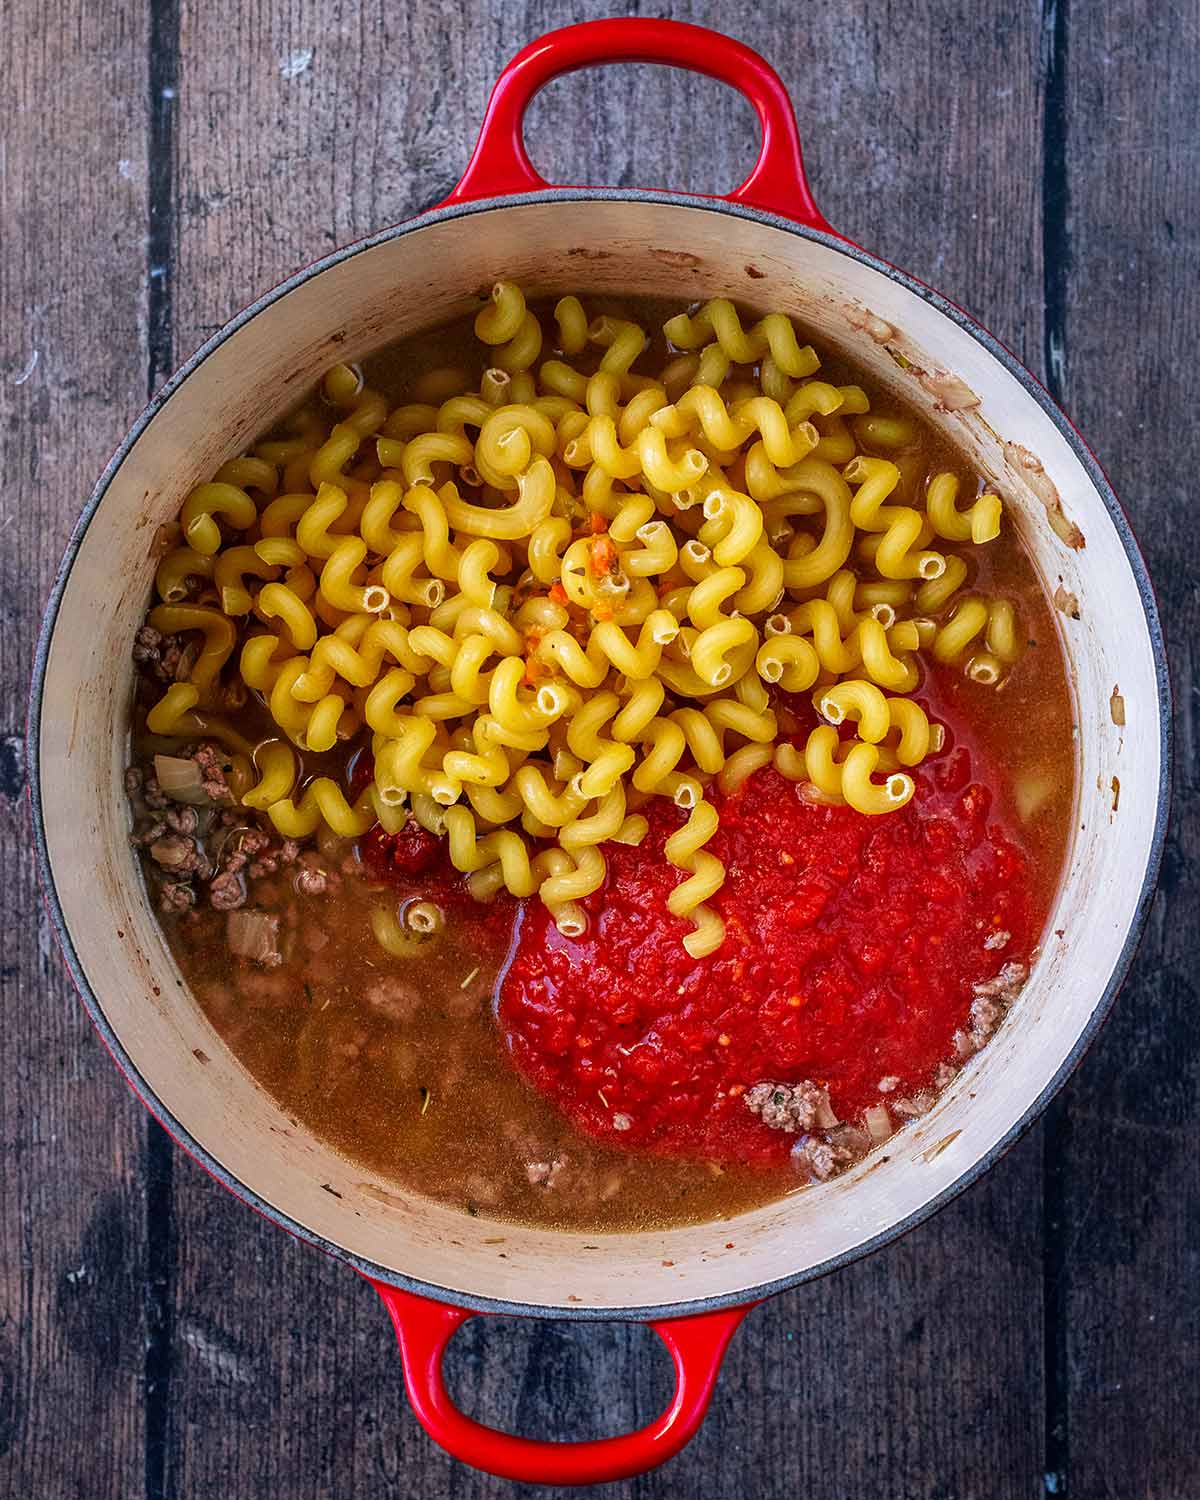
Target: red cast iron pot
765	242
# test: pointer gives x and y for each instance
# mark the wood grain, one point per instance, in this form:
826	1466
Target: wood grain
72	377
1038	1336
1130	1190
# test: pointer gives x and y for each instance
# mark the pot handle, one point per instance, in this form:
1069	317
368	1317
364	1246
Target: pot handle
424	1328
500	165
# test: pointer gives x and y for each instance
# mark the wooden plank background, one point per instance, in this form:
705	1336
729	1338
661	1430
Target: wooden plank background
163	161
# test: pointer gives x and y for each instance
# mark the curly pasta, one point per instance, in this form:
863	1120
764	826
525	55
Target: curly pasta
773	334
705	876
551	591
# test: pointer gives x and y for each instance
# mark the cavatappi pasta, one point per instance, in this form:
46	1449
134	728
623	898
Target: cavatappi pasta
549	595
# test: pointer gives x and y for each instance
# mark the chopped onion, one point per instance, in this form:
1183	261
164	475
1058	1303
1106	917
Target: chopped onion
851	1139
181	779
878	1122
823	1113
254	935
913	1108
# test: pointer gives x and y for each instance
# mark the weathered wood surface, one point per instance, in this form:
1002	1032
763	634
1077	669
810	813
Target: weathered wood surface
74	1290
163	162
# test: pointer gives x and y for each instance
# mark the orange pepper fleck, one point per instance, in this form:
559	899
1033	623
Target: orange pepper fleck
599	523
602	611
557	593
535	670
602	556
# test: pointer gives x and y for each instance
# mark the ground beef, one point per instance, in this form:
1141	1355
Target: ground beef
817	1158
147	650
233	848
992	999
184	820
148	832
267	860
785	1106
180	856
208	853
176	896
211	762
394	998
144	793
246	843
1005	987
178	658
312	881
166	658
147	646
227	891
545	1173
985	1015
814	1159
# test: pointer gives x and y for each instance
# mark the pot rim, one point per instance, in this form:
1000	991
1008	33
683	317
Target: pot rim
371	1269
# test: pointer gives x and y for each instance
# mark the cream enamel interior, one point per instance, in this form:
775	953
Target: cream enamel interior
426	276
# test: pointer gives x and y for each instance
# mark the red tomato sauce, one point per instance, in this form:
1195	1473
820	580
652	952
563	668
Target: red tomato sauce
415	865
852	945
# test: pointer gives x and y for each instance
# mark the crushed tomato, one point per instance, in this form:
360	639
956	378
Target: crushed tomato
415	864
852	947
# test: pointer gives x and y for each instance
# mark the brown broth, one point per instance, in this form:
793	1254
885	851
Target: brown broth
432	1101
